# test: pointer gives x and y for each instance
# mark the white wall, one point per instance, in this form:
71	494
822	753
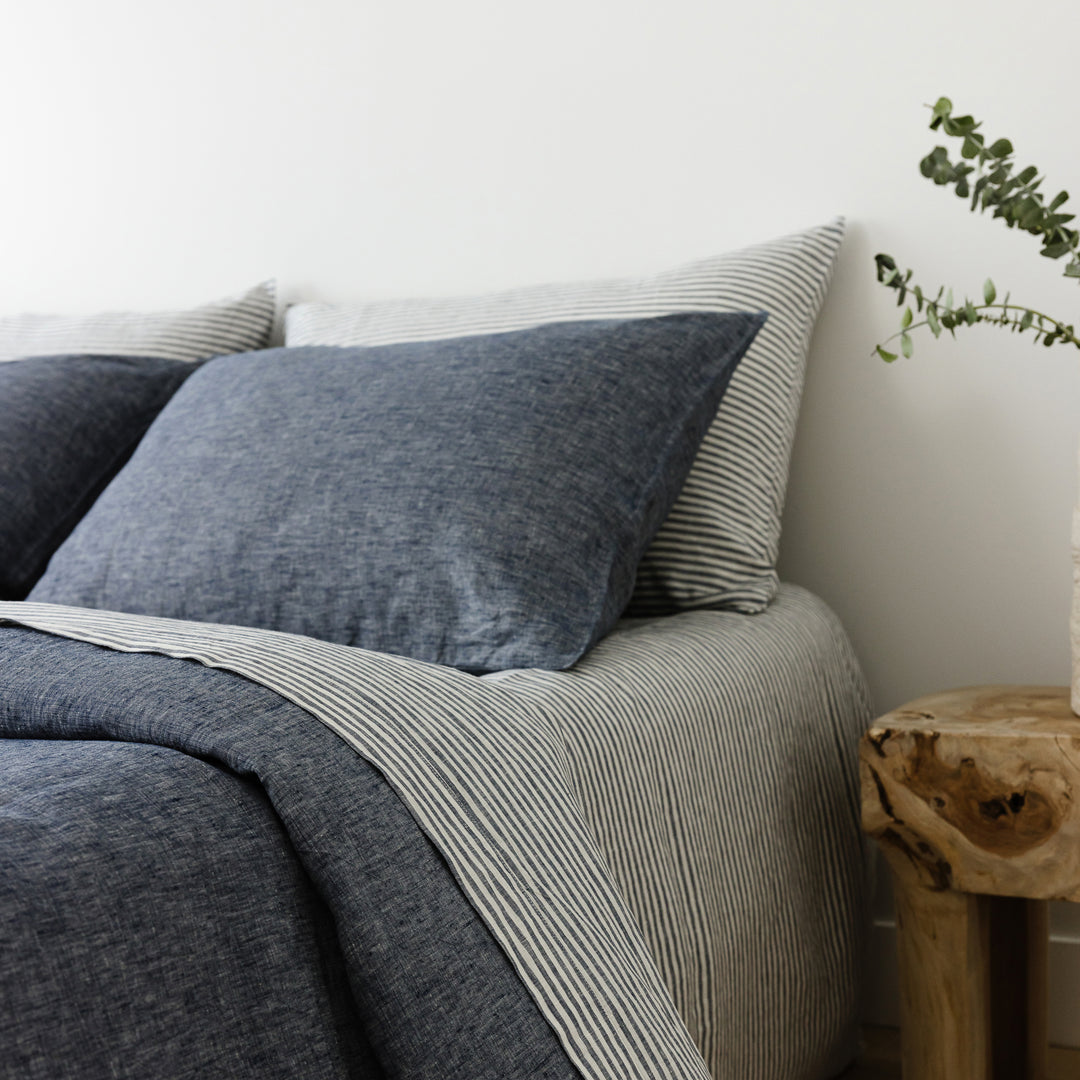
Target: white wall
161	154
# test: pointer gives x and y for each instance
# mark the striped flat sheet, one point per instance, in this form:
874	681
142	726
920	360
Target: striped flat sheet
664	839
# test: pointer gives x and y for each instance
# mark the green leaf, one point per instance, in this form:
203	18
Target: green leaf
1002	148
1027	320
959	125
884	264
936	165
1028	174
1055	251
1024	204
1073	269
932	322
942	108
989	292
888	357
1058	199
970	314
906	347
907	319
918	297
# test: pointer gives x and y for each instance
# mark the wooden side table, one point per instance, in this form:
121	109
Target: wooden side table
974	797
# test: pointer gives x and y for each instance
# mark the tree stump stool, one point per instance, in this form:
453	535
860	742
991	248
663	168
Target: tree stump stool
974	797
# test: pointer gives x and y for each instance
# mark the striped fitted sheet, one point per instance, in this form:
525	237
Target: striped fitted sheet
664	839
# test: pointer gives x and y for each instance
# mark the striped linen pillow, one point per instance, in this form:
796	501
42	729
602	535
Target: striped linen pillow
238	324
718	545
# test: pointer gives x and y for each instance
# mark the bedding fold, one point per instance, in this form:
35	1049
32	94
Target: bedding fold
483	774
663	840
197	879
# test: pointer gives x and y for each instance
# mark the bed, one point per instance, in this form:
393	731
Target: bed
287	789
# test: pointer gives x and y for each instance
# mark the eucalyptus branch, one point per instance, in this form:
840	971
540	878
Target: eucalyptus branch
940	318
1015	198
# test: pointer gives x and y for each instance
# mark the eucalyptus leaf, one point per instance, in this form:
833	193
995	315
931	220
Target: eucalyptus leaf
988	179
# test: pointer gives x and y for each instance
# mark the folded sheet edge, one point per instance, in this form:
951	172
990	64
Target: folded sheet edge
484	773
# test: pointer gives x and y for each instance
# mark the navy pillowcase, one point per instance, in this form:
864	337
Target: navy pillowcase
67	426
480	502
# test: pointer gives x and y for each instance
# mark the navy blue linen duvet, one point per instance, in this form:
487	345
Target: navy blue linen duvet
197	879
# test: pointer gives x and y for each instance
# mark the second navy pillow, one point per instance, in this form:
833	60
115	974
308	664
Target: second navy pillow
67	425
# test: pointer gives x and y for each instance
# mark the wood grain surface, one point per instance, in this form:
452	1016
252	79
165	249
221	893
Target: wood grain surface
972	796
979	791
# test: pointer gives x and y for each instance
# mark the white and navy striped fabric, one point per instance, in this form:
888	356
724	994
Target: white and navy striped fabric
238	324
719	544
714	755
663	838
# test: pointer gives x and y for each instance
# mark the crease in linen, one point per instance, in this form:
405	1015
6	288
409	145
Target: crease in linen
486	776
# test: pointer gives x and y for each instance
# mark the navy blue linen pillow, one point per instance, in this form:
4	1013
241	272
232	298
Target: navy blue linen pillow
480	502
67	425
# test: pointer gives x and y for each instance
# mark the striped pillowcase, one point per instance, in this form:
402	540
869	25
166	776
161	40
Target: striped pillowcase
238	324
718	546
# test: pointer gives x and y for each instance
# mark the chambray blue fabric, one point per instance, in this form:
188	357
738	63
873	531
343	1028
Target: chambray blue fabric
480	502
198	879
67	425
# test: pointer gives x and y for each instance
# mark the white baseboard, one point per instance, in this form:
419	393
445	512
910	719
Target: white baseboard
883	993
